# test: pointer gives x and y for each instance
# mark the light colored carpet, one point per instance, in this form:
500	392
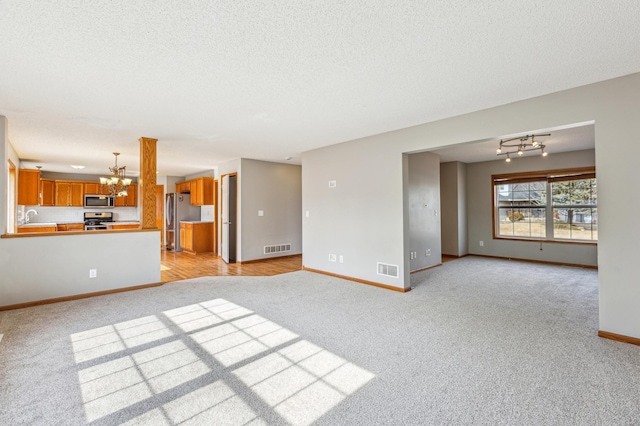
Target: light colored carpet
477	341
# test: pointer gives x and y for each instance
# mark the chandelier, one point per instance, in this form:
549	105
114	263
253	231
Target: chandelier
520	145
117	184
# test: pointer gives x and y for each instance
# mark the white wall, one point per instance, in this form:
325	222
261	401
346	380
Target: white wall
424	209
276	190
481	221
365	213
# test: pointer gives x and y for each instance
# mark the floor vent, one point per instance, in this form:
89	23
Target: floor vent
278	248
388	270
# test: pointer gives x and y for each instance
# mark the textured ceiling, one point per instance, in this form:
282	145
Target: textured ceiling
217	80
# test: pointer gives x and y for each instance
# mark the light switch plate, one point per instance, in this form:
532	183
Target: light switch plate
260	212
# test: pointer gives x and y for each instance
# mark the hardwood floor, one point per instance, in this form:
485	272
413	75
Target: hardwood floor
182	266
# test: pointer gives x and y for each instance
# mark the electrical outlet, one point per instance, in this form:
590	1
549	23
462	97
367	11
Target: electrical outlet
260	212
481	243
332	258
427	252
93	273
332	184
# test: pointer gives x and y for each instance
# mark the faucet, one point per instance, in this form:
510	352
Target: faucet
26	215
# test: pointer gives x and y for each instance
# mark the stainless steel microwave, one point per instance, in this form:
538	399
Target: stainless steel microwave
98	201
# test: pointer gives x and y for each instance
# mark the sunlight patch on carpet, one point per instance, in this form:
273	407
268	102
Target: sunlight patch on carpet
218	347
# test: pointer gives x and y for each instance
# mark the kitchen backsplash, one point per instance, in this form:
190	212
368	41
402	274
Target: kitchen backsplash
73	214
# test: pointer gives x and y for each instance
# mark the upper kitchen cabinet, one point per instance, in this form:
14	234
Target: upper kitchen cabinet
95	188
131	200
28	187
69	193
47	192
92	188
201	190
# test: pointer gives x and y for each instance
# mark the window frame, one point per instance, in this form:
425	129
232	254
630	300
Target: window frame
549	176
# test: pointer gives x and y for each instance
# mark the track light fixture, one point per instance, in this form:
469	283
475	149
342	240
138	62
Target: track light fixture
520	145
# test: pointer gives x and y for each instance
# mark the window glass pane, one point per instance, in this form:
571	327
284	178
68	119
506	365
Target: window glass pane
561	193
522	222
581	191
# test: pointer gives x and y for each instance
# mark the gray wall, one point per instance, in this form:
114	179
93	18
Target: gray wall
38	268
424	210
481	221
453	199
361	217
276	189
365	214
206	173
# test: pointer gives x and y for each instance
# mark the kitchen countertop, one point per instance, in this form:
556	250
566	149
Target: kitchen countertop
37	225
122	222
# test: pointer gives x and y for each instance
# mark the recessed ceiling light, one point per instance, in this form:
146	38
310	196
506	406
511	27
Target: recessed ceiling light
77	167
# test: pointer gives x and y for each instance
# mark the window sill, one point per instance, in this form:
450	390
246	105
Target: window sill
543	240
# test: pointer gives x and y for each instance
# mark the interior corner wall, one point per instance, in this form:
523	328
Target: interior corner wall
363	215
449	199
275	189
463	241
481	221
424	210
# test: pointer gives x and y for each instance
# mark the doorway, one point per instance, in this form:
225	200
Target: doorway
229	206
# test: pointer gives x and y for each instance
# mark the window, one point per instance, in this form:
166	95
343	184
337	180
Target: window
556	205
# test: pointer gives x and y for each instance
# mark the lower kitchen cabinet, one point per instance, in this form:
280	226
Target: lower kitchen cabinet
196	237
63	227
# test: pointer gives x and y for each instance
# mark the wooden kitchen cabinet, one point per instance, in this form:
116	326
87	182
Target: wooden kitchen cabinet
201	190
131	200
47	192
24	230
92	188
28	187
196	237
69	193
124	226
63	227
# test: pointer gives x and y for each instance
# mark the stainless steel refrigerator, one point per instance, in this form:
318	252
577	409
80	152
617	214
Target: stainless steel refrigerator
178	207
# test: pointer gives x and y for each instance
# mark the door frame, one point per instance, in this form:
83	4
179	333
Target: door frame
219	208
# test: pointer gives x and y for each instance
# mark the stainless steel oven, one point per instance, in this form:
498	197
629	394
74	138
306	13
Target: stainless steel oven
97	221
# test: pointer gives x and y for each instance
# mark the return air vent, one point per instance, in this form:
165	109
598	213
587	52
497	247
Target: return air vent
278	248
388	270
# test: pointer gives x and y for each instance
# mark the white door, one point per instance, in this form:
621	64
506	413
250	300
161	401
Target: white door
225	218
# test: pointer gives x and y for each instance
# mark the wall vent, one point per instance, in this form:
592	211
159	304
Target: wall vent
388	270
278	248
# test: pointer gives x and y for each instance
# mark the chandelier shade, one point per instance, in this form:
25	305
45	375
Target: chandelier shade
117	184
